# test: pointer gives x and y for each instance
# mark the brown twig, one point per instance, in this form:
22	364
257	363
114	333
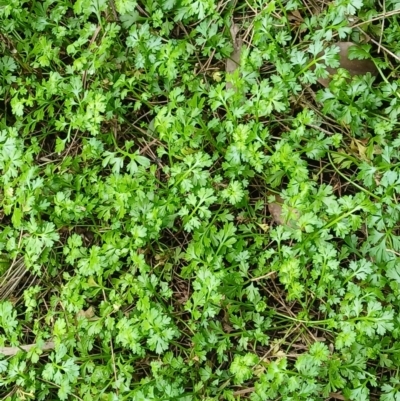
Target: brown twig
382	47
10	351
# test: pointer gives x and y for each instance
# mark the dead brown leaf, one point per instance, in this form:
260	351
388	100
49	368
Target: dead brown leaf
275	209
336	396
359	148
295	17
233	62
244	391
227	327
354	67
87	314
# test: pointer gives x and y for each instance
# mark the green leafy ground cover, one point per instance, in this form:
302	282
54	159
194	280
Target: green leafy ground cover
140	256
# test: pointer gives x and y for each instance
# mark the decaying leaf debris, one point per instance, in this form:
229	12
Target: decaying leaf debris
233	62
275	208
355	67
10	351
